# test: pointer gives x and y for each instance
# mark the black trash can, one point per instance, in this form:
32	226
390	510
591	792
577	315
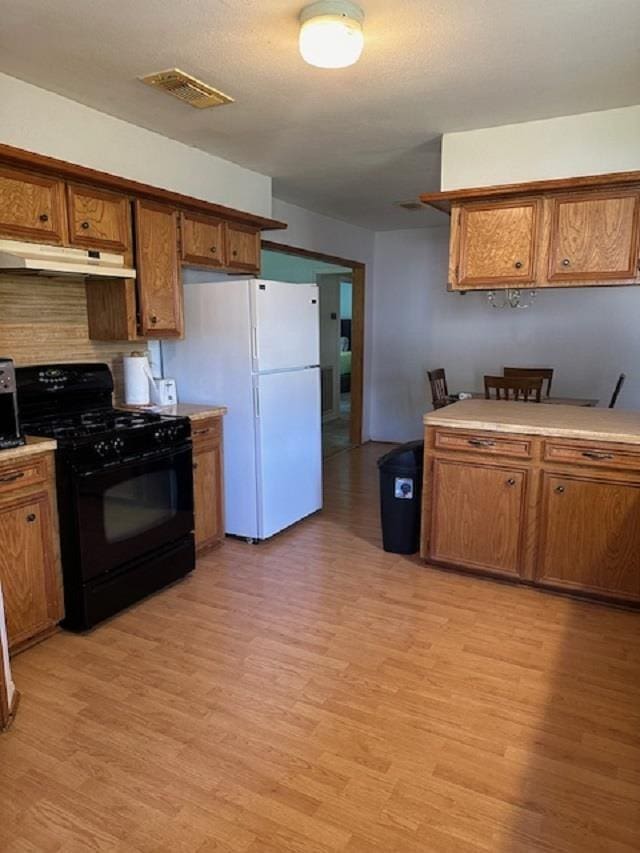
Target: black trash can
400	497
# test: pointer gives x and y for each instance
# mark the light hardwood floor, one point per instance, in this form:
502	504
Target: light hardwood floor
315	694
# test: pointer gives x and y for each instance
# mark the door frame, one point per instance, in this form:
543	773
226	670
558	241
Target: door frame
358	270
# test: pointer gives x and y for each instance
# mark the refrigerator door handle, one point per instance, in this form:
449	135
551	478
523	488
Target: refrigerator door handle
256	401
254	343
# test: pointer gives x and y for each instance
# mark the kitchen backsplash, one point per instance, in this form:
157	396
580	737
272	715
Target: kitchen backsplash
45	320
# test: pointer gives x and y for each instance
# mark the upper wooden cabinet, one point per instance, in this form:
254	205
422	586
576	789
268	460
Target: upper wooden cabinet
158	273
98	219
492	244
203	240
52	201
594	237
560	233
243	247
31	206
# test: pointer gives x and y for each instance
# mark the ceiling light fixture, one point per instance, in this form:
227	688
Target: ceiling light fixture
331	33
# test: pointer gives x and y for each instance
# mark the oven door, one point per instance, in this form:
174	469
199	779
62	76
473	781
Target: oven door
126	511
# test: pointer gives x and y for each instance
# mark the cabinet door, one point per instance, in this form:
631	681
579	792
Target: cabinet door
27	567
594	237
31	206
590	535
98	219
203	240
207	485
477	516
243	248
158	272
495	244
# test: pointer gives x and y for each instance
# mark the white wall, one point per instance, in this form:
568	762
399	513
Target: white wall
279	266
588	335
308	230
586	144
45	123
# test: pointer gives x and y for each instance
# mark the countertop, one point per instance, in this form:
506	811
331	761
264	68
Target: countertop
34	445
193	411
539	419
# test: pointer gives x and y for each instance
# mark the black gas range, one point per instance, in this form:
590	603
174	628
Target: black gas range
125	489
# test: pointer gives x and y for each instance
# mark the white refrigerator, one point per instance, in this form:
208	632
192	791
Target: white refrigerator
254	346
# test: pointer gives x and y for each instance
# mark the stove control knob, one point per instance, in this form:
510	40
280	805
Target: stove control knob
158	435
101	448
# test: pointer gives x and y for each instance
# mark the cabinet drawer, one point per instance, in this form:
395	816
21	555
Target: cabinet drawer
203	240
206	431
491	445
98	219
592	454
23	474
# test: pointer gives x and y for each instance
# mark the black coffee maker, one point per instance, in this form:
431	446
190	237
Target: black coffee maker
10	435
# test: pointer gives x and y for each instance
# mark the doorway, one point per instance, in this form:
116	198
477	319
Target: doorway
335	359
341	286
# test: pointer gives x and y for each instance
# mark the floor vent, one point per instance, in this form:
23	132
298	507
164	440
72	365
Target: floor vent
187	88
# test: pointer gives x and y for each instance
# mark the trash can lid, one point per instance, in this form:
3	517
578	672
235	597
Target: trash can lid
409	455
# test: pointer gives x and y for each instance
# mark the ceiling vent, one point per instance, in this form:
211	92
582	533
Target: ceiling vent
412	204
187	88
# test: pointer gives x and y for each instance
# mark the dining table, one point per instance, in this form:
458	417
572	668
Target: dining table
552	401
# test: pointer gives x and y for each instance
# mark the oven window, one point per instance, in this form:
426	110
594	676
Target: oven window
139	504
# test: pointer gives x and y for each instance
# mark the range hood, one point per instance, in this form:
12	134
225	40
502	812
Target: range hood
38	259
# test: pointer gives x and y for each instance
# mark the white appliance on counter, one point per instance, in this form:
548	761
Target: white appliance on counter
254	346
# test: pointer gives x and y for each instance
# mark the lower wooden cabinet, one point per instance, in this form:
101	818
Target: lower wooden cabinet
477	516
590	535
567	517
29	557
208	484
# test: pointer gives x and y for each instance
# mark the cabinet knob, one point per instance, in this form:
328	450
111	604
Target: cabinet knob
84	225
214	249
559	490
566	262
154	319
234	253
31	517
195	466
44	217
511	482
518	265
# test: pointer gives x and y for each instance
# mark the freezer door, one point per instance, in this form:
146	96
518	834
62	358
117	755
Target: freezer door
286	325
289	448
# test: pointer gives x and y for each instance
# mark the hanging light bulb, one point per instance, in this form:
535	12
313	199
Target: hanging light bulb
331	33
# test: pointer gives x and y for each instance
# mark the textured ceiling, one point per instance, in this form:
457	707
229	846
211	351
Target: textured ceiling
346	143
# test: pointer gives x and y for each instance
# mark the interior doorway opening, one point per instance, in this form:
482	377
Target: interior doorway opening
341	286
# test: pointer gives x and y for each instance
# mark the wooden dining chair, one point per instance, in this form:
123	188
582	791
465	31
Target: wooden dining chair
545	372
617	389
439	391
526	388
